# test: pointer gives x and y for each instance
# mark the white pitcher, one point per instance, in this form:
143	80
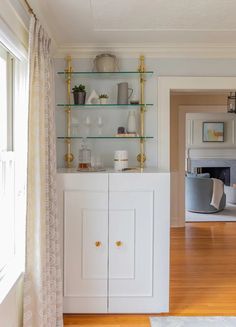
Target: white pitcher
123	93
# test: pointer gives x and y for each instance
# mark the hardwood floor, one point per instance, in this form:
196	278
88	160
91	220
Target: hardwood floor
107	320
203	269
202	281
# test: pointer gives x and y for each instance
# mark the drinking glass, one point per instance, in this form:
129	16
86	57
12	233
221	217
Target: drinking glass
100	124
74	127
88	125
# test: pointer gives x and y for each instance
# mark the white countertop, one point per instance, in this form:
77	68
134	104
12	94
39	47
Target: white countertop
112	171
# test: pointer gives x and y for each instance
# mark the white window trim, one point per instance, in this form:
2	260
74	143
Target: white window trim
10	41
15	269
11	276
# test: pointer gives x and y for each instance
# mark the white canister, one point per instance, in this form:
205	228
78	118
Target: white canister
105	62
120	160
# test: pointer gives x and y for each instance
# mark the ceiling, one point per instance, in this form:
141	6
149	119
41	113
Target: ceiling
137	21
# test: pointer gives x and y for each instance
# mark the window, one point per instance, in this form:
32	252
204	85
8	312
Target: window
7	162
13	120
3	99
6	93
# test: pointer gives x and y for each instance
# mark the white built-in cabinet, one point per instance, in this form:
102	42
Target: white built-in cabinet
115	241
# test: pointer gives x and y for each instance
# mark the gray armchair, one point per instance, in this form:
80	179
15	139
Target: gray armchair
198	195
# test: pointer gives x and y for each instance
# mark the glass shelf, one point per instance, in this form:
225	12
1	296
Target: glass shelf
114	105
108	74
105	137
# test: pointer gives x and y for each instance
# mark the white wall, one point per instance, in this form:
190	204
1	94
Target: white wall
194	125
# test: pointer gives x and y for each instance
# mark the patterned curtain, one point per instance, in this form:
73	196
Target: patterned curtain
42	288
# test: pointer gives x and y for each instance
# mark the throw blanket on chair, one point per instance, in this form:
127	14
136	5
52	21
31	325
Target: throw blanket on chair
218	190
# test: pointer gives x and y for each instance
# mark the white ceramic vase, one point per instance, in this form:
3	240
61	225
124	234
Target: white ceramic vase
131	122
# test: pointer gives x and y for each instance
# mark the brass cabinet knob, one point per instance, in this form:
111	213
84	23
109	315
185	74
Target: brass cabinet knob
119	243
98	244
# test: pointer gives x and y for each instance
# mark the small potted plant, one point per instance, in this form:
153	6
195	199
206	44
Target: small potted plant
79	94
103	98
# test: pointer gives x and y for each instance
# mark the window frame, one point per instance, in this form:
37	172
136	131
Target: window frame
17	113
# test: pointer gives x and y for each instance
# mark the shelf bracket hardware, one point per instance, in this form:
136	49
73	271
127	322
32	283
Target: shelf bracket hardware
68	156
141	156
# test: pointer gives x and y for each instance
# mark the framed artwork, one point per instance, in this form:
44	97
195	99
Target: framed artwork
213	132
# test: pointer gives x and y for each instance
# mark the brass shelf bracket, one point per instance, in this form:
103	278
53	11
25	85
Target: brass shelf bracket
68	156
141	157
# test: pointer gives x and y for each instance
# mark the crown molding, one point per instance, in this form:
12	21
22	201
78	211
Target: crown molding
201	50
38	7
14	29
21	12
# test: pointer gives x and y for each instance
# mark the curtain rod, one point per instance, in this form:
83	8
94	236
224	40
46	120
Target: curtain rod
30	9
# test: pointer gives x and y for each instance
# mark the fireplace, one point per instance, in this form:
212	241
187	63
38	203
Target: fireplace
222	173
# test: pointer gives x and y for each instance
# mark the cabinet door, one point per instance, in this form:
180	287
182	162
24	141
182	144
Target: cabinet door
138	235
130	244
85	251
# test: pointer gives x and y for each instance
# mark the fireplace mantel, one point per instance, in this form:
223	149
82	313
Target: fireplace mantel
219	153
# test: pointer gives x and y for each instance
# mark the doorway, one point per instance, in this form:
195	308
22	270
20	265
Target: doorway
166	85
198	250
194	159
188	112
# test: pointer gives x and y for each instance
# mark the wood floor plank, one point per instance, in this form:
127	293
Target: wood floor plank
202	277
107	320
